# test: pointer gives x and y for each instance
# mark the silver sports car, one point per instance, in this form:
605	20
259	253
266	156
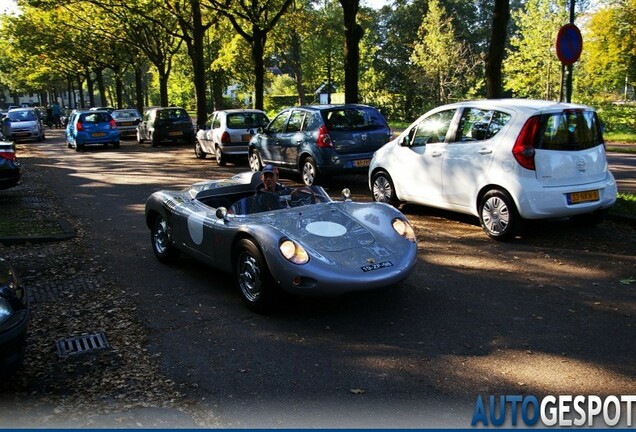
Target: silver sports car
297	241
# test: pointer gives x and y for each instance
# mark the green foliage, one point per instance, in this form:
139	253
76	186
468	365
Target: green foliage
618	118
531	68
275	103
625	204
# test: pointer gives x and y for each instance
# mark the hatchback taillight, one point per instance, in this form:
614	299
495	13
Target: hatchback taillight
79	127
113	124
523	150
324	140
225	138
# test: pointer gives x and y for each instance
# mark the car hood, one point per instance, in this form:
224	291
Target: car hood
330	227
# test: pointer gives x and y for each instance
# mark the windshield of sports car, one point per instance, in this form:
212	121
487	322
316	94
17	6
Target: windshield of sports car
279	200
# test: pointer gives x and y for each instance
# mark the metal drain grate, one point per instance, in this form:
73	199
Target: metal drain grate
82	344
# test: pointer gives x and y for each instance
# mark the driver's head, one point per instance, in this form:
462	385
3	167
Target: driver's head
269	177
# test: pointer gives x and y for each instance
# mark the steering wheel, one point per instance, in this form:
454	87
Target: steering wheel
302	196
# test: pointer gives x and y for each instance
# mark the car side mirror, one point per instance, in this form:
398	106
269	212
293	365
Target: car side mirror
405	141
260	130
221	213
346	194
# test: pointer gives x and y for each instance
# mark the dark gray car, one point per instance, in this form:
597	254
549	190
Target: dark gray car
320	140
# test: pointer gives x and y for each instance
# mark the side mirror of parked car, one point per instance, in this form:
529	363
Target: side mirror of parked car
260	130
405	141
346	194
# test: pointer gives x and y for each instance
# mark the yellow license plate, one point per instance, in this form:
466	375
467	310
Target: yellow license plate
246	137
585	196
126	124
98	134
176	133
362	163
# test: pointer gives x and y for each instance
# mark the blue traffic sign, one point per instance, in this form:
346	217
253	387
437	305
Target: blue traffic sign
569	44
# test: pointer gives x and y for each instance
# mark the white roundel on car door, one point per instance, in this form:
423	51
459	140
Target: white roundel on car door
195	227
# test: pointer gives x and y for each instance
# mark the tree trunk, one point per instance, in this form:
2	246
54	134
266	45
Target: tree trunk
258	50
496	51
198	63
80	89
353	36
139	89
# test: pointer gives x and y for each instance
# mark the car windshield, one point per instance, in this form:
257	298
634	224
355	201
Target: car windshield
20	116
353	119
284	199
246	120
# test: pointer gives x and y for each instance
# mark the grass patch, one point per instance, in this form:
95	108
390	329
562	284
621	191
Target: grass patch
625	204
24	222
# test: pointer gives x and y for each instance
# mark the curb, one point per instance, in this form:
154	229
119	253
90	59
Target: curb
67	233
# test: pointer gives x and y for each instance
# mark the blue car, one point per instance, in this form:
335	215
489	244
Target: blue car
91	127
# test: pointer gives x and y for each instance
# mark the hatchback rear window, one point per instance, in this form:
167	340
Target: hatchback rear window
353	119
172	114
569	130
96	117
246	120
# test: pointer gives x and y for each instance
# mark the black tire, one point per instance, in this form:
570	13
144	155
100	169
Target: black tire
140	139
383	190
258	289
254	161
154	142
221	160
161	245
116	144
309	171
498	215
198	150
79	147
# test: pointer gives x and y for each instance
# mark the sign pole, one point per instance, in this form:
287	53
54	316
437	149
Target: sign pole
570	67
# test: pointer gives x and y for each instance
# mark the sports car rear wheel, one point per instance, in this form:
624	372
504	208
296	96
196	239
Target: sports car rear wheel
161	244
258	290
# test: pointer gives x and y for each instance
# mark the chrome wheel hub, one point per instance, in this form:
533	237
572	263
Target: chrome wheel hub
496	215
249	277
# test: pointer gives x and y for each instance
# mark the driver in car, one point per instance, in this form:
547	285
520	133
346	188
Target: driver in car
269	180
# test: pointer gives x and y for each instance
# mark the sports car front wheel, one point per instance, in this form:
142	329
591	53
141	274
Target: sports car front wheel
161	244
258	289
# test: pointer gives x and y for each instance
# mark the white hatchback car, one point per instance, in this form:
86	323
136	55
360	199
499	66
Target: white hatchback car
229	133
501	160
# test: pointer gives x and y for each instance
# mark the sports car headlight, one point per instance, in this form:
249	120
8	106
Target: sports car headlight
5	310
404	229
294	252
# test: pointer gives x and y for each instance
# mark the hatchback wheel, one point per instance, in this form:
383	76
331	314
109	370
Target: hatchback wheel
164	250
258	290
255	161
309	172
383	189
198	150
220	159
498	215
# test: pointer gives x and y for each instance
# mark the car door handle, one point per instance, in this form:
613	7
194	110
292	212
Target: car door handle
436	154
485	151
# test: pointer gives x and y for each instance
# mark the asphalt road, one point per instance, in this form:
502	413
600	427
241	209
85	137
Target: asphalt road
550	313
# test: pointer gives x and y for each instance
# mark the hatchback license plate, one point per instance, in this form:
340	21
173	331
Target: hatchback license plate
246	137
176	133
362	163
98	134
580	197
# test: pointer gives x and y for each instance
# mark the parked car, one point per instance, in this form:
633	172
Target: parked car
14	318
296	240
127	121
320	140
26	125
501	160
161	124
104	108
229	134
10	169
91	127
